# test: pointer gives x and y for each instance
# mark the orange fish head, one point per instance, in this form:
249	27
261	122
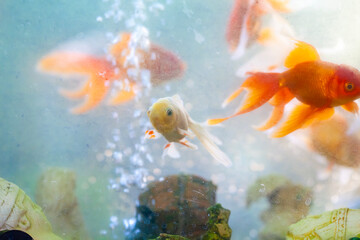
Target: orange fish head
348	79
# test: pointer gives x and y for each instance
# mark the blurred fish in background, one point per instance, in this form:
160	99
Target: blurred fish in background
332	139
246	25
120	69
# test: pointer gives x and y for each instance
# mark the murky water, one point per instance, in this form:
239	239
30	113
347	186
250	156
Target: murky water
106	146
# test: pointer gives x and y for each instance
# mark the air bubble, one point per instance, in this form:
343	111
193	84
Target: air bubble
263	188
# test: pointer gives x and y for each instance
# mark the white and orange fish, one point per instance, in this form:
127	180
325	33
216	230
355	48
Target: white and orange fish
162	64
245	23
170	119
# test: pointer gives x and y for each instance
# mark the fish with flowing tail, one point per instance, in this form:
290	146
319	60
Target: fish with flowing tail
161	64
318	85
170	119
245	24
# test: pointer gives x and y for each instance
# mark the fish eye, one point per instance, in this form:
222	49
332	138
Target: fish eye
169	111
349	86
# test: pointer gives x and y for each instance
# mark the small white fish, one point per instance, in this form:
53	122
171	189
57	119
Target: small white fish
170	119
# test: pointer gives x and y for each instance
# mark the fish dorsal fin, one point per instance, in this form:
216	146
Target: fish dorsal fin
178	100
120	50
303	52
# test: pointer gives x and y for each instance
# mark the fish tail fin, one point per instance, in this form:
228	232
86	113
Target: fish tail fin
77	93
274	118
70	63
188	144
279	100
207	140
261	88
96	92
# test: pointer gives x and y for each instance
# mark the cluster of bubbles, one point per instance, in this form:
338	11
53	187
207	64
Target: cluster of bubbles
126	150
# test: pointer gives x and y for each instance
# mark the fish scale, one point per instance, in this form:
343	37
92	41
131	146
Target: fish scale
316	74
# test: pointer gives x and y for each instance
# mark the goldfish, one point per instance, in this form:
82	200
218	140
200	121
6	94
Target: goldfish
244	24
170	119
332	139
318	85
271	54
162	64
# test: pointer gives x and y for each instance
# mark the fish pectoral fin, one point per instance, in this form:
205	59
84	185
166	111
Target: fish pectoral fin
170	150
152	134
125	94
186	133
98	88
302	116
188	144
320	115
303	52
351	107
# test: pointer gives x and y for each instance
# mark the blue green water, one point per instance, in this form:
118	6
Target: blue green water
38	132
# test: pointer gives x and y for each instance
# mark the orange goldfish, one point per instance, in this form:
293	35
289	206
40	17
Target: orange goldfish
318	85
244	26
162	64
332	140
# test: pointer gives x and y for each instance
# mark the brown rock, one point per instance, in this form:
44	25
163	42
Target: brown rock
179	204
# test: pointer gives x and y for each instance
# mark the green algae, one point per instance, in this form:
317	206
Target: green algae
217	225
218	228
164	236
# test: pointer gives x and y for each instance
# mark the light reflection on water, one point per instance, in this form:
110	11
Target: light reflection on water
107	144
